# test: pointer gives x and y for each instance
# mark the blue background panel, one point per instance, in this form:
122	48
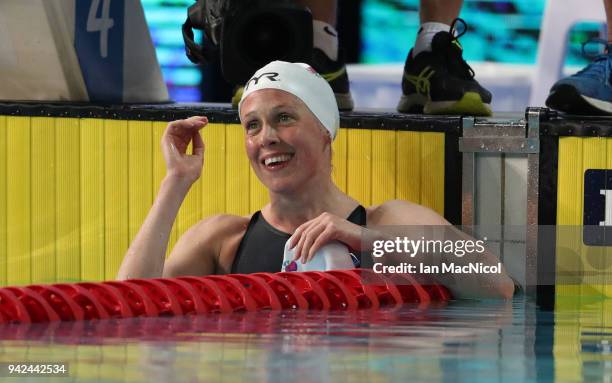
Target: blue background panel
499	31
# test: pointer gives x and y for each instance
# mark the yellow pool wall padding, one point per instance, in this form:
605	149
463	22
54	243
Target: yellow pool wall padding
74	191
593	263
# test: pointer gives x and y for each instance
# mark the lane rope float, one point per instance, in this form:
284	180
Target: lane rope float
313	290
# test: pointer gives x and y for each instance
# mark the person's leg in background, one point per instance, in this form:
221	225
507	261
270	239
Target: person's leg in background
590	90
435	16
436	78
327	59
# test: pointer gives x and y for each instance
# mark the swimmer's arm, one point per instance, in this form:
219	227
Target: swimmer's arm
399	212
197	251
146	254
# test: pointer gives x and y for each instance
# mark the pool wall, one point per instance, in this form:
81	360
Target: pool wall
76	183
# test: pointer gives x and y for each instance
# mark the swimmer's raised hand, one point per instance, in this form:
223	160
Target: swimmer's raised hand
145	257
176	139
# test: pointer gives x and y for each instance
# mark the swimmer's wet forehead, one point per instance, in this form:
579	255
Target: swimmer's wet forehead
272	100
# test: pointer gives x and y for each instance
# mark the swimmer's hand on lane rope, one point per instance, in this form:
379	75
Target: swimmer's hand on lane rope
176	139
312	235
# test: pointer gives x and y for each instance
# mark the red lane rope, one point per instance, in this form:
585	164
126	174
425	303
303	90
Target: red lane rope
109	298
92	308
188	298
265	298
210	293
309	290
36	305
12	309
339	295
288	294
314	290
136	297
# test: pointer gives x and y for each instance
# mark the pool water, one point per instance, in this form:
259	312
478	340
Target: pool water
459	342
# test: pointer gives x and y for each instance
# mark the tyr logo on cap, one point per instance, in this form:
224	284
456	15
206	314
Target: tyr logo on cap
255	79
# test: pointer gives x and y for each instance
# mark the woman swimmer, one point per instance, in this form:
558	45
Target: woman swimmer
290	119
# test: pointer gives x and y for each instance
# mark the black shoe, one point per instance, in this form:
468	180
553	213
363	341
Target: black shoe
441	82
335	74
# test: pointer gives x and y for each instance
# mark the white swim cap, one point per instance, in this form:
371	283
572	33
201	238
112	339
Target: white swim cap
303	82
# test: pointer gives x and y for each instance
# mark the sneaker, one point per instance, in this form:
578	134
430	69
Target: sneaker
587	92
441	82
335	74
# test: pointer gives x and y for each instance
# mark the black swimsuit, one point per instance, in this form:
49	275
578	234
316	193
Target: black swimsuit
262	247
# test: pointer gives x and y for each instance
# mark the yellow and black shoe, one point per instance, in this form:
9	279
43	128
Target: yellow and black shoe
238	90
335	74
441	82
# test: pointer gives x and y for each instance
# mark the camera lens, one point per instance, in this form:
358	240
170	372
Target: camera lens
267	38
261	33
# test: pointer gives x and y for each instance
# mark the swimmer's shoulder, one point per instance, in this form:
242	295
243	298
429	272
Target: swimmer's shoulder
220	225
234	229
208	247
401	212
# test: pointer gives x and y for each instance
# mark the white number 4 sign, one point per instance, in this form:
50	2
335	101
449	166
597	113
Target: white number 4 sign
102	24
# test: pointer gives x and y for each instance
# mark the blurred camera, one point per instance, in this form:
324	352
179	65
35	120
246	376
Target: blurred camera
248	34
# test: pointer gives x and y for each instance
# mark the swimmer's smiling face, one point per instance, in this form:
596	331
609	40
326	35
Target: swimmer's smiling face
286	144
